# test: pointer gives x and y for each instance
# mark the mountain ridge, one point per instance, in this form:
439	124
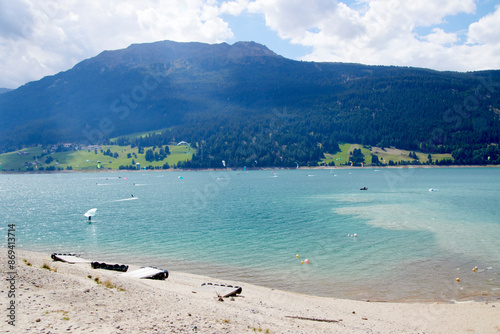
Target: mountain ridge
167	51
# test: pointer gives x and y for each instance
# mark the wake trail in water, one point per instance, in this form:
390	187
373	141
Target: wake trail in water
126	199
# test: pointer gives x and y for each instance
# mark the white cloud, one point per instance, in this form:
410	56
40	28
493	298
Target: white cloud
439	37
39	38
423	12
384	32
485	31
234	7
15	18
291	18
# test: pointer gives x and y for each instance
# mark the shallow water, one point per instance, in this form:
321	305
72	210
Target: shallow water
411	243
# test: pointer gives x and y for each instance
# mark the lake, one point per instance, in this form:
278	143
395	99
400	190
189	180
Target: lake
410	245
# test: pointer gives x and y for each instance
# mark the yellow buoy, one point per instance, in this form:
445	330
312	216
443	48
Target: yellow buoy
458	279
301	262
297	255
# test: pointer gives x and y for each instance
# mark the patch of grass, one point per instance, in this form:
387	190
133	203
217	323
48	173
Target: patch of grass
397	155
258	329
27	263
384	155
13	161
46	266
64	313
108	284
343	157
83	160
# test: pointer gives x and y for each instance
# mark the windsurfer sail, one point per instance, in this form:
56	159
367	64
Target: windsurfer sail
90	213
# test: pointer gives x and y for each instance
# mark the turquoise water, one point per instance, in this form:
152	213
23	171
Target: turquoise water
411	243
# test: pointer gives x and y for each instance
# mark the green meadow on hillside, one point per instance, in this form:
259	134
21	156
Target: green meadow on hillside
87	160
128	157
384	155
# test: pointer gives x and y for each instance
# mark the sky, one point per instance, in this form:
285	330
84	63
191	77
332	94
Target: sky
43	37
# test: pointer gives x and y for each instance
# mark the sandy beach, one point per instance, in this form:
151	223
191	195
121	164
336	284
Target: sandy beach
57	297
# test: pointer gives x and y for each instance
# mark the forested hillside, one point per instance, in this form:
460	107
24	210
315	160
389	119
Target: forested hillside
248	106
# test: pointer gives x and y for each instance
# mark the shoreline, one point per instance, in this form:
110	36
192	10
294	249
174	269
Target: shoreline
66	297
367	292
171	170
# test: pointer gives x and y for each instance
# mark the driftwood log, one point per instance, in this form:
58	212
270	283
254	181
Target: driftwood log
312	319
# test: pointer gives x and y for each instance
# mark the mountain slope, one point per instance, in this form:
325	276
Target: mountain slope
244	93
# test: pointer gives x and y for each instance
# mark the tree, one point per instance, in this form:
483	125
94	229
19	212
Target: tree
413	155
357	157
150	155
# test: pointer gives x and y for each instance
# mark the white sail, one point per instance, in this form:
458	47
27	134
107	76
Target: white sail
90	213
